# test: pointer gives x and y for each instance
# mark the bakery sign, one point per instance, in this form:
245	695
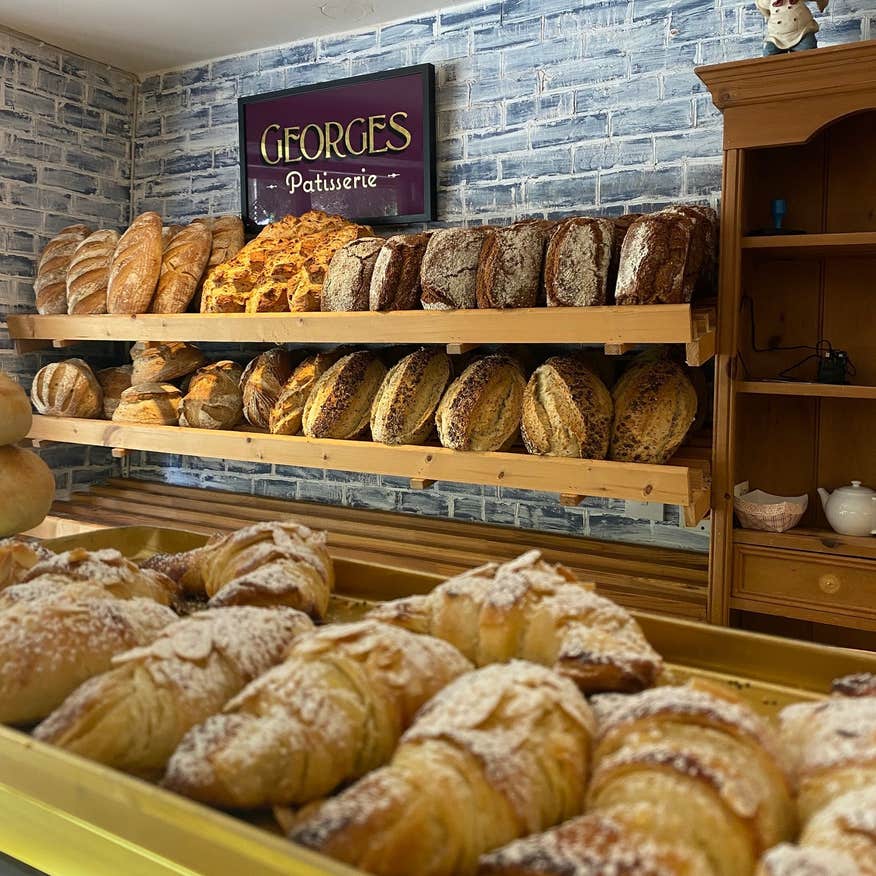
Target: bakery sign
361	147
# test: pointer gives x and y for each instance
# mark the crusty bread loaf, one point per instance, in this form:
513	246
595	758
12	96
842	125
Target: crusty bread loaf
113	381
262	382
348	280
511	262
214	399
27	486
288	410
135	267
577	263
182	265
654	406
700	277
155	404
168	232
88	273
340	404
158	361
50	286
228	238
15	414
448	275
567	411
481	410
621	227
395	283
404	408
654	260
67	389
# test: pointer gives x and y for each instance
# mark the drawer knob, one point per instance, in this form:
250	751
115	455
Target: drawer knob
829	584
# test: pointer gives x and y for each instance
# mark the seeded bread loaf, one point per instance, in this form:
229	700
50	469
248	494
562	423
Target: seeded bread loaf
654	406
155	404
511	262
88	273
214	399
289	408
135	267
182	265
159	361
567	411
67	389
348	281
262	382
448	276
481	410
395	283
404	407
50	286
577	263
340	404
15	414
113	382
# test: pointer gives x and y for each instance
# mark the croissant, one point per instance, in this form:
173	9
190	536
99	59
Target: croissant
105	569
532	610
499	753
133	716
276	563
696	766
51	644
17	557
332	711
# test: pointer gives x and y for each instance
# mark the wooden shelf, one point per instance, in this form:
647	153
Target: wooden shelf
820	541
613	326
671	484
815	390
813	245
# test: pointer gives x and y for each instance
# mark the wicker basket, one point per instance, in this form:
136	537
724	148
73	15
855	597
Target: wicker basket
760	510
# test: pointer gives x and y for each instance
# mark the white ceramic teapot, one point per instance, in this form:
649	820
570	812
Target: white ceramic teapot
850	510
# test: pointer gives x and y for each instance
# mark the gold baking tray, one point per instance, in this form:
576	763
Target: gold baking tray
70	817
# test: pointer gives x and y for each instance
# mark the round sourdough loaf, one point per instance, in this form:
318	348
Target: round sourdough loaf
157	404
404	407
113	381
15	413
654	406
135	267
348	279
448	276
67	389
567	411
214	399
27	486
88	273
481	410
262	382
157	361
289	409
340	404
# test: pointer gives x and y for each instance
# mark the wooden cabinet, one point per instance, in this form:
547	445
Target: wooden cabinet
801	128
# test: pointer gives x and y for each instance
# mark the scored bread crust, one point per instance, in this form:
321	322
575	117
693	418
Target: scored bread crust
88	273
135	266
113	381
157	404
448	275
182	265
288	411
577	263
511	263
50	286
67	389
158	361
262	382
214	399
404	408
348	279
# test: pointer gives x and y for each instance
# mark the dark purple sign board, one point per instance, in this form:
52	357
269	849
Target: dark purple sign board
361	147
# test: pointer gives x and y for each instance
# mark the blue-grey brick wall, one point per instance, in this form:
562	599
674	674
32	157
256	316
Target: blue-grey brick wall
65	157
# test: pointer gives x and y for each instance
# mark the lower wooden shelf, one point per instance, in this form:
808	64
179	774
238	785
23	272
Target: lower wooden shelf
671	484
819	541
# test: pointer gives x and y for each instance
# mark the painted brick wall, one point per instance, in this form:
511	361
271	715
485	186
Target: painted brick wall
545	107
65	157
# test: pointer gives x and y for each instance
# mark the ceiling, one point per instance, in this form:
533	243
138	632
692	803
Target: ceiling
143	37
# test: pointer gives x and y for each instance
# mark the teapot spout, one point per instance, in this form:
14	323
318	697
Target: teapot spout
824	496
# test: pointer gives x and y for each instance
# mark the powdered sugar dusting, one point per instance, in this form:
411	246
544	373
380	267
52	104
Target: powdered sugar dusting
788	860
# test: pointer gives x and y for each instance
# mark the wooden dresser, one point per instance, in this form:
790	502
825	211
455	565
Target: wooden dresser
800	128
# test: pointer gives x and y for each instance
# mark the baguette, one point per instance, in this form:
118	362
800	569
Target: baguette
50	286
88	273
135	266
183	262
499	753
332	711
133	716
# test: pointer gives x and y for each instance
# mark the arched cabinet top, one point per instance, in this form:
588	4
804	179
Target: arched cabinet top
787	99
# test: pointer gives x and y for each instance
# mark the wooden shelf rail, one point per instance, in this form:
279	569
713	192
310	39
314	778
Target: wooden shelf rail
812	245
814	390
672	484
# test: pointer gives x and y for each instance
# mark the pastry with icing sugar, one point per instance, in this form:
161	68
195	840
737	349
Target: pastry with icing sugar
333	710
532	610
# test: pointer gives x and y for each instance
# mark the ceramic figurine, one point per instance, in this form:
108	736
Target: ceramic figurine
790	25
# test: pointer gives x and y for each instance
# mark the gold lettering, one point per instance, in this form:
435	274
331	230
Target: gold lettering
332	142
264	149
289	135
375	123
363	142
320	138
399	129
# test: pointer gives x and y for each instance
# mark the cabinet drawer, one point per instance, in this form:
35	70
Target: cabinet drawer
806	585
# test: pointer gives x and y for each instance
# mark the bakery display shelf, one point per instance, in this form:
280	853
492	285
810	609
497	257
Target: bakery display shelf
671	484
800	388
836	244
819	541
616	327
56	808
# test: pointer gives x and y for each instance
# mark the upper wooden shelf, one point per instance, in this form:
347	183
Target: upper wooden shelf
814	390
612	326
673	484
813	245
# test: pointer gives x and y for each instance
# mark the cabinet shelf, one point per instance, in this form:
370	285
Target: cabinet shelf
812	245
814	390
672	484
617	327
819	541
